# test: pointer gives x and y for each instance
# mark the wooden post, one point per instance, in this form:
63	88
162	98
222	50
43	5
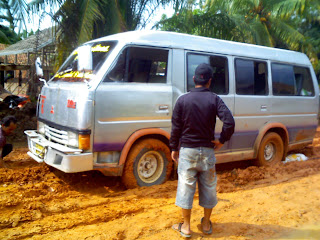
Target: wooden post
4	72
20	78
2	78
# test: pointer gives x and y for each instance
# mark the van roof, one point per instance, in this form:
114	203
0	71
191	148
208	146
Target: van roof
205	44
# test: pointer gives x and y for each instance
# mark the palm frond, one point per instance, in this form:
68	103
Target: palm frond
243	6
90	14
38	5
286	8
20	12
286	33
217	6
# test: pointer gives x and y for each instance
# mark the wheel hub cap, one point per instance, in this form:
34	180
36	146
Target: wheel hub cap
148	165
269	151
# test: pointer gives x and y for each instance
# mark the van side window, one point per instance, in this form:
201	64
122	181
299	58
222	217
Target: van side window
288	80
283	82
219	64
251	77
138	64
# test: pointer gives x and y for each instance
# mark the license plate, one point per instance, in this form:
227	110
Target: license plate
39	150
39	147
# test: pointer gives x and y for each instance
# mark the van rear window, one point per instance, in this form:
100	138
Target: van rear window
288	80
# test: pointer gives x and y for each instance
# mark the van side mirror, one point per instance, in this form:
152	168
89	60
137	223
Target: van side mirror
84	58
39	68
40	71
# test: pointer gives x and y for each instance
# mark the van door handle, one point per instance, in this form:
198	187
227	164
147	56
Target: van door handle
163	107
263	108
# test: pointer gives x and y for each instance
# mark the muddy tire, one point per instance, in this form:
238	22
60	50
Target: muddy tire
148	163
271	150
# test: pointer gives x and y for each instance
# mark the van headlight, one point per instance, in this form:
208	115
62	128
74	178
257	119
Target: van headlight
73	139
81	141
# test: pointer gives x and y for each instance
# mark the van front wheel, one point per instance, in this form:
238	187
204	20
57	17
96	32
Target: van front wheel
271	150
148	163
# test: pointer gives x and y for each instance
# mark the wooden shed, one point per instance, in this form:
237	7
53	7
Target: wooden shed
17	60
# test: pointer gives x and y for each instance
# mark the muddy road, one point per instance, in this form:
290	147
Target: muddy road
39	202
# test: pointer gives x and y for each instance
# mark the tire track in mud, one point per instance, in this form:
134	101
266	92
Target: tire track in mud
80	211
47	203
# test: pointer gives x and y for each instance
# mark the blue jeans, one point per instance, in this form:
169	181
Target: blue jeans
196	164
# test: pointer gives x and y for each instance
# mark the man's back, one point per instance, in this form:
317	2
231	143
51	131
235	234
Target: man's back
194	119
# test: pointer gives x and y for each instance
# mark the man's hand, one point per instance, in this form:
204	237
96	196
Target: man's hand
217	145
175	156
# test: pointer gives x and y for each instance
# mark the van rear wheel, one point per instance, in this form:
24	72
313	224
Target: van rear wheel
148	163
271	150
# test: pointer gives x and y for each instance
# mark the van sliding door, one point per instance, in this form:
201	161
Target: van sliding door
219	84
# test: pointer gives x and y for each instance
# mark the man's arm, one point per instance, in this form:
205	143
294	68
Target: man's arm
176	130
226	117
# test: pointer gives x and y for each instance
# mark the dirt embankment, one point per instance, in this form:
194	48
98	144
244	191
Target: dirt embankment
26	117
39	202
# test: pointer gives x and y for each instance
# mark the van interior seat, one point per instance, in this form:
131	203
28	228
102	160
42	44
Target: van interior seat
218	83
157	79
139	70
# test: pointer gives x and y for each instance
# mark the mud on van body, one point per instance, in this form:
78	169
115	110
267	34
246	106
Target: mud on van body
109	106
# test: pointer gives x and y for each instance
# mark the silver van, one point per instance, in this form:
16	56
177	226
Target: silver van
109	106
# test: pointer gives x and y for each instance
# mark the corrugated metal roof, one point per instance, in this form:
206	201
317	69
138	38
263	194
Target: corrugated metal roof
46	37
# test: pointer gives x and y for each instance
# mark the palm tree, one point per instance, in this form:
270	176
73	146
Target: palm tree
268	22
290	24
82	20
263	22
202	20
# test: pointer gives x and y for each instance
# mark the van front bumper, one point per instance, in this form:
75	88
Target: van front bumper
64	158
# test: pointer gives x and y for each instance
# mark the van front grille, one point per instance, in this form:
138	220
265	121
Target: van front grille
56	135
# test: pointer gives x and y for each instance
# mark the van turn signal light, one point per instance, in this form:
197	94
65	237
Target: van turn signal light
84	141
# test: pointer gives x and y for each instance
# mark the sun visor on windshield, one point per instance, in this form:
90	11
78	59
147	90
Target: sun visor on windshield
84	62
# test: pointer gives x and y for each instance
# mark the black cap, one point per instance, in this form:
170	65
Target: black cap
203	72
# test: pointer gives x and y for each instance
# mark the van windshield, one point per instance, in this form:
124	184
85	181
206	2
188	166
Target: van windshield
95	55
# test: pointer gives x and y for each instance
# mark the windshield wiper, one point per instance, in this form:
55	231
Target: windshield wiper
65	71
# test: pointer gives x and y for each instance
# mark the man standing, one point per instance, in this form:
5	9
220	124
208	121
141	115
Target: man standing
8	125
193	126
